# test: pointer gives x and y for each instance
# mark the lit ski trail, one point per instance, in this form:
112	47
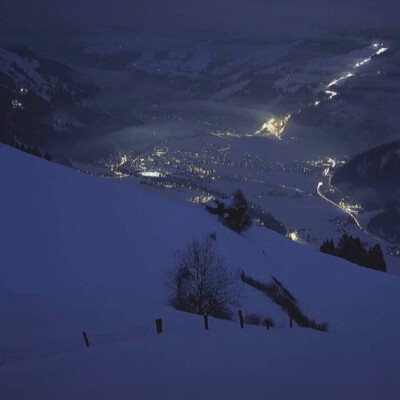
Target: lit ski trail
274	127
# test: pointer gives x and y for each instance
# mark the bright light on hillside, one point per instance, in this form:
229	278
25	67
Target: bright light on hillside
293	235
275	126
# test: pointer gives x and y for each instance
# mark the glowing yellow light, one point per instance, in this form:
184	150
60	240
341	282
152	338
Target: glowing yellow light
275	126
293	235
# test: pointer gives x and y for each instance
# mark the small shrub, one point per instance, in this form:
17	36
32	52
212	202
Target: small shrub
258	319
253	318
269	322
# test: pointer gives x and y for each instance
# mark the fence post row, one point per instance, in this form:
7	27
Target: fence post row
159	325
206	322
241	318
159	329
85	338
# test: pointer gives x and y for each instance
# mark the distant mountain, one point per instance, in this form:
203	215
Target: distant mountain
373	177
35	95
386	225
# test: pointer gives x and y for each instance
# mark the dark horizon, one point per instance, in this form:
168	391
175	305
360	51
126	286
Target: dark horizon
274	17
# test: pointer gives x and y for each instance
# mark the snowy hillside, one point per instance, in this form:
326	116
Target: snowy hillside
81	253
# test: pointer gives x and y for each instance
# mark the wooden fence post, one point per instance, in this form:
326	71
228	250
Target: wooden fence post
241	318
159	325
85	338
206	322
267	324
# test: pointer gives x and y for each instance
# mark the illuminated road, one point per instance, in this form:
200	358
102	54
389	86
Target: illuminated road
348	212
320	184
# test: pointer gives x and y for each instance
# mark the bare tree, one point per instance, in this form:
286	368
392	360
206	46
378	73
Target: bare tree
200	281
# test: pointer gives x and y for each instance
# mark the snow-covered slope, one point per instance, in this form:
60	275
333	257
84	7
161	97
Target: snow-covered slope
80	253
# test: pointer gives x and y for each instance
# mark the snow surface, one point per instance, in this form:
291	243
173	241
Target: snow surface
81	253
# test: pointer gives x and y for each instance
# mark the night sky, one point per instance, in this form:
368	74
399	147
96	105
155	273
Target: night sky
282	17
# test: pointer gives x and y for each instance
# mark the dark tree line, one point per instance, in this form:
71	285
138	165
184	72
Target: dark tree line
351	249
34	151
28	149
